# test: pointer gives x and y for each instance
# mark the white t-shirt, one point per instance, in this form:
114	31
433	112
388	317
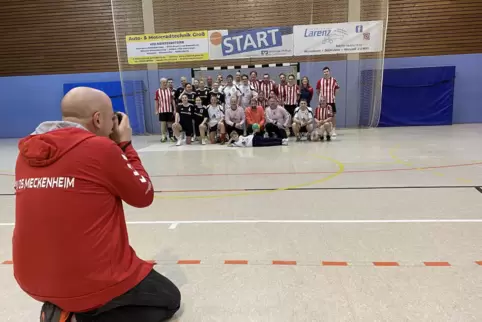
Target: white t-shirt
247	92
305	116
244	141
230	91
216	114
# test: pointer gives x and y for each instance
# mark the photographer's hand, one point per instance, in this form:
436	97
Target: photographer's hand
122	132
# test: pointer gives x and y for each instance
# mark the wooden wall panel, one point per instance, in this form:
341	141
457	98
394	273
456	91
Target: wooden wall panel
172	15
434	27
56	36
74	36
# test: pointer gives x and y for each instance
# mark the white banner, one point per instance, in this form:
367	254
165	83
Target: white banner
168	47
338	38
251	43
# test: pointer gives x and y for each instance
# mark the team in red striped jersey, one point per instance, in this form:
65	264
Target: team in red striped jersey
287	93
323	118
164	108
326	89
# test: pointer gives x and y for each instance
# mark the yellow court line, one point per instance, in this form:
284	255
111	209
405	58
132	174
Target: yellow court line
392	153
341	169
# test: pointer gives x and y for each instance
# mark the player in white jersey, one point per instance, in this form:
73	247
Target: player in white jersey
303	120
229	91
216	120
247	92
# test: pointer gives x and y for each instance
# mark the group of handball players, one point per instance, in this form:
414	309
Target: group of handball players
247	111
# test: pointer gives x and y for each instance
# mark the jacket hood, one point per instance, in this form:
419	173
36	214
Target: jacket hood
50	141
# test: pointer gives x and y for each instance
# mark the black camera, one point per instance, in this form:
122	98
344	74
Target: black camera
119	117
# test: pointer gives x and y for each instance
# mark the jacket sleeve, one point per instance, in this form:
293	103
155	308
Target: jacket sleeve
125	175
249	116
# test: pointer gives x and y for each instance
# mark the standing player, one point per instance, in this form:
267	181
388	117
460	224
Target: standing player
219	95
170	84
183	120
306	91
203	93
195	84
191	95
237	79
282	89
323	120
179	90
201	117
253	80
164	102
230	91
216	120
209	81
247	92
267	86
326	88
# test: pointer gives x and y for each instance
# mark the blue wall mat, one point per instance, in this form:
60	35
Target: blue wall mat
467	95
418	96
133	97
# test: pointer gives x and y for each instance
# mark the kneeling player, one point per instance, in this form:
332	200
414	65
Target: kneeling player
303	120
183	121
254	140
323	120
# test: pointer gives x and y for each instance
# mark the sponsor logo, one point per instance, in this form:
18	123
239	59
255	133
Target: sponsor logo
359	29
366	36
251	40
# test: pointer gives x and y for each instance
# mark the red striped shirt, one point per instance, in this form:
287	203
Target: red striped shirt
255	85
266	88
322	113
327	87
164	97
289	94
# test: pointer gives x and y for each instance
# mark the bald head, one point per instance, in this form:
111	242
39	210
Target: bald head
89	107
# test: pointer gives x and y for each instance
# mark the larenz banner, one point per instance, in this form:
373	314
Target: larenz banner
251	43
338	38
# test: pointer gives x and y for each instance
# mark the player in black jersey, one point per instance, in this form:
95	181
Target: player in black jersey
220	95
201	118
191	95
203	93
179	90
183	121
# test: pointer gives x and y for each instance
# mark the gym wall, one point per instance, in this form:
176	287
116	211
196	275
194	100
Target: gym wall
46	43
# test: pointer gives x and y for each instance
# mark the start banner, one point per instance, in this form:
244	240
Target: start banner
338	38
251	43
168	47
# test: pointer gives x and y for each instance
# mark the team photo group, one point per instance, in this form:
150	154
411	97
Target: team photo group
247	110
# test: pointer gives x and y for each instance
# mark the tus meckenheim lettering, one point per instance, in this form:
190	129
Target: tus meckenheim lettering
45	183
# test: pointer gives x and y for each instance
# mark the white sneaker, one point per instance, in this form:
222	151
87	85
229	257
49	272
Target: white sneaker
179	142
284	142
203	141
333	133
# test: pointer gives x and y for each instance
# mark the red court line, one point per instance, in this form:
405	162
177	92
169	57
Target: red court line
301	173
334	263
235	262
7	262
188	262
386	264
478	263
436	264
284	262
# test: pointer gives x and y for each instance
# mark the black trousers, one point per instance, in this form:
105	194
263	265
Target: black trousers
154	299
274	129
259	140
230	128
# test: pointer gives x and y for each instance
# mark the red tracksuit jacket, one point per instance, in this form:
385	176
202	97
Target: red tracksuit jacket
70	243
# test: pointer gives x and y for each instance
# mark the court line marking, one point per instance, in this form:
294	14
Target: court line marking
479	189
393	155
341	169
477	163
308	221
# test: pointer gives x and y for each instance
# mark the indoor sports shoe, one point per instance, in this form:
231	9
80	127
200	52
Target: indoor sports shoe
328	138
284	142
179	142
203	141
173	139
163	139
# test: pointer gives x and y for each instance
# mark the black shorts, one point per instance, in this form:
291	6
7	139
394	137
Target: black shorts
187	127
196	128
333	107
166	117
230	129
303	129
290	109
213	128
